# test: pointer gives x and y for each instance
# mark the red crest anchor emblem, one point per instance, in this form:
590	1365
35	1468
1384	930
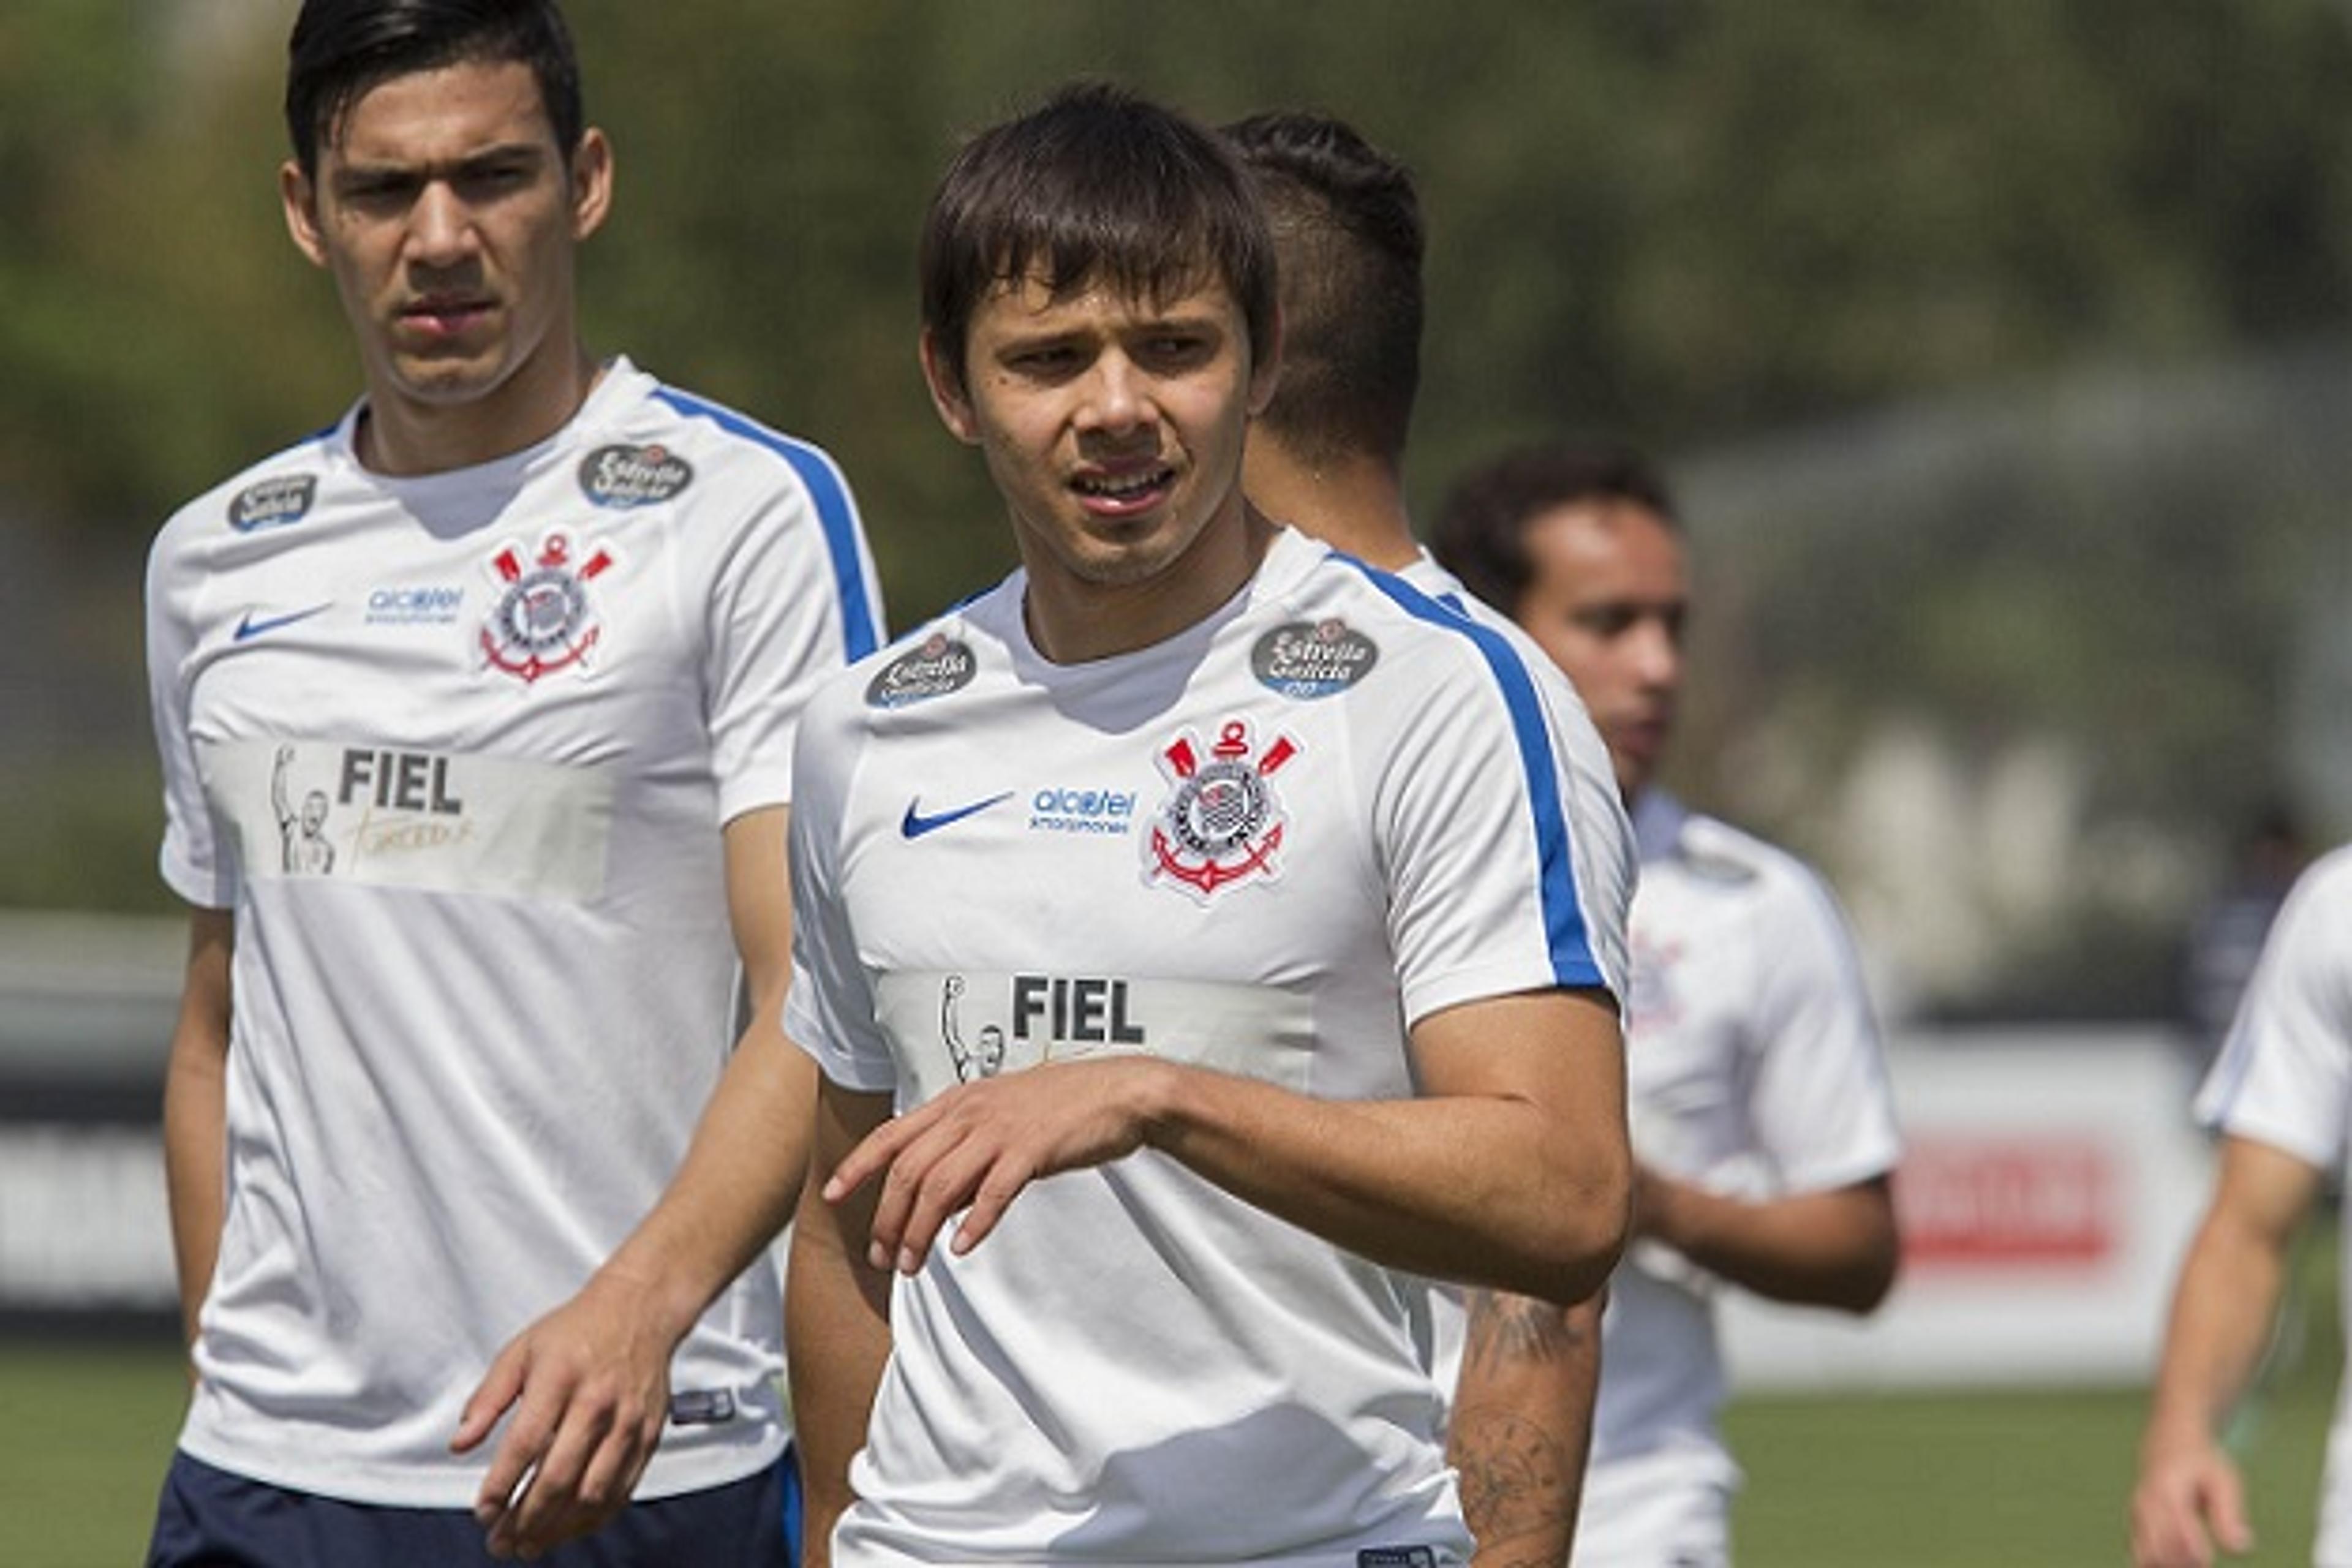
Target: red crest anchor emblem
543	621
1222	823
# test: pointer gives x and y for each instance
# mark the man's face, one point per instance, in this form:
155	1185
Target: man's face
1607	600
1112	425
448	217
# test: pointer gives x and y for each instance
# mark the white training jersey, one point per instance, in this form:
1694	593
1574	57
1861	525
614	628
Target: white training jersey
1266	846
2284	1078
1753	1068
456	750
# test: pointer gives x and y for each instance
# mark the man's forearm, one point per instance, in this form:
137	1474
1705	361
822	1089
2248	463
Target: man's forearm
196	1113
1485	1191
734	1191
836	1323
1509	1170
194	1160
2222	1312
1838	1248
1522	1425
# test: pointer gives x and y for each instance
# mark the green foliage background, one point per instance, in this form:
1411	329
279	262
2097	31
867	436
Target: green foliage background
1734	232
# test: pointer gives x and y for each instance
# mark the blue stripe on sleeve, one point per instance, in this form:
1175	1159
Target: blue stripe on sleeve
833	509
1572	959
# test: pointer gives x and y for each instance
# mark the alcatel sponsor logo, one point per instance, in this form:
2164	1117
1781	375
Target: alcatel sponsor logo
415	606
625	477
273	503
1054	810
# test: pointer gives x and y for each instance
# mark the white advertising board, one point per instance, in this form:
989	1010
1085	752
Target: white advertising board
2050	1183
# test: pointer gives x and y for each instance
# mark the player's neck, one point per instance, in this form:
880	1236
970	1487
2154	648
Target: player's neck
1355	504
1072	620
406	436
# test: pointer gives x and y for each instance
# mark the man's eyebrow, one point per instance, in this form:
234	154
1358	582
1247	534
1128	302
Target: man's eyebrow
359	171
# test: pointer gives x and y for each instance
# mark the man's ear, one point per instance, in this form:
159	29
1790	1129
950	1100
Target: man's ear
300	196
1266	372
592	182
946	392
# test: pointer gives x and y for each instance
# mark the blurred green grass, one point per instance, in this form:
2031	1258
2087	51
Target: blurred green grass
2025	1479
2004	1479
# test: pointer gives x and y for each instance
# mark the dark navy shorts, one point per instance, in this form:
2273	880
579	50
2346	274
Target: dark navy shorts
211	1519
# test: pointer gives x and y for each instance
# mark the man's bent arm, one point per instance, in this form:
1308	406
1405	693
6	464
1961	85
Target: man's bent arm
1835	1247
1521	1427
1510	1170
836	1318
195	1111
2229	1287
589	1383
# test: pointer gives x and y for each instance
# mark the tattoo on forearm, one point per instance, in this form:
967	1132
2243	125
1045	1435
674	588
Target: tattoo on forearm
1504	1328
1522	1469
1518	1490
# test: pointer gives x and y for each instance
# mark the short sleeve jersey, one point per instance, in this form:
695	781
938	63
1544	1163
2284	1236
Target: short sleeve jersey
1266	846
1754	1069
457	751
2284	1078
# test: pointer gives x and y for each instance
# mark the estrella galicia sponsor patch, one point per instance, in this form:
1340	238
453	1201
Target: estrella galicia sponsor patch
273	503
1396	1557
937	665
622	477
701	1406
1307	660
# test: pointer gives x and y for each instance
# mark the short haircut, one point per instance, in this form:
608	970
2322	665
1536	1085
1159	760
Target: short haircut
1097	184
340	50
1480	534
1348	233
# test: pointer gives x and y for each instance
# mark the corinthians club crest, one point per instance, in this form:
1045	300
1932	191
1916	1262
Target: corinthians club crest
545	620
1222	823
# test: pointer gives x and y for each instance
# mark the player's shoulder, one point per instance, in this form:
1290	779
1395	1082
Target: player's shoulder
2319	906
275	491
278	491
2326	882
659	442
1395	618
1720	855
922	672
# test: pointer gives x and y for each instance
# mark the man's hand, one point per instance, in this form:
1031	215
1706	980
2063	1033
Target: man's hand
978	1144
2189	1499
589	1387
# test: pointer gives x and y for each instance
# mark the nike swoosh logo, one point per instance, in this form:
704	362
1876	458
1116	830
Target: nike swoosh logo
253	626
914	824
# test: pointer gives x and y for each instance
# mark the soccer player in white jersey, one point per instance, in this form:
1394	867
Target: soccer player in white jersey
2280	1095
1193	932
1762	1123
476	714
1327	457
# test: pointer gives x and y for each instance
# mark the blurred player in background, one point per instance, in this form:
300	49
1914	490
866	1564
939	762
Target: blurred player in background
1326	456
476	714
2281	1096
1763	1127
